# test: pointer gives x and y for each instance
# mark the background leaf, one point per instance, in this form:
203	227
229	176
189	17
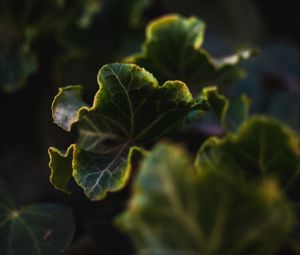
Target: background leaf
43	229
231	113
172	50
24	23
262	147
174	210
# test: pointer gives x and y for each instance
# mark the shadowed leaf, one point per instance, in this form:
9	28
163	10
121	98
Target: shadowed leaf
261	148
42	229
174	210
232	113
24	23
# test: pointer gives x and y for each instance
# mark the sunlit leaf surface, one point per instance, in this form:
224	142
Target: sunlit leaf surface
173	50
129	110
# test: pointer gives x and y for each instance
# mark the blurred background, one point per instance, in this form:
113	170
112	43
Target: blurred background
48	44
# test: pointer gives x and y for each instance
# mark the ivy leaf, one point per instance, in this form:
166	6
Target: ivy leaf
129	12
22	22
83	54
130	109
261	148
42	229
15	66
172	50
174	210
232	113
237	112
16	60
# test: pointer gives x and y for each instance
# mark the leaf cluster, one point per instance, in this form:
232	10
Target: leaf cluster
235	198
23	23
237	195
173	50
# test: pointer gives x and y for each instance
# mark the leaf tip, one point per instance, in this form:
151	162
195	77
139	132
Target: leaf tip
60	164
66	106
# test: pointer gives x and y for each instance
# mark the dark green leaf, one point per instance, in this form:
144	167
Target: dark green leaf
22	22
83	54
261	148
172	50
128	12
129	110
43	229
174	210
16	60
237	112
231	113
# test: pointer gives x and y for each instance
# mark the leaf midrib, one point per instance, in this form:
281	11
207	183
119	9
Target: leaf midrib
127	97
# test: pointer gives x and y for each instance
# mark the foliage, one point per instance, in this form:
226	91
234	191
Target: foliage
173	50
130	109
86	49
209	171
71	32
261	148
177	208
22	22
230	113
36	229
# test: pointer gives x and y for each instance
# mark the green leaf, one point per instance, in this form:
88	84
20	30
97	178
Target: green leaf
136	11
232	113
261	148
174	210
237	112
129	12
22	23
130	109
83	54
42	229
15	66
172	50
16	60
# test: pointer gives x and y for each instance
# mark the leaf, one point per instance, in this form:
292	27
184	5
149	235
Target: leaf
83	54
237	112
232	113
261	148
21	25
130	109
15	66
16	61
42	229
129	12
172	50
174	210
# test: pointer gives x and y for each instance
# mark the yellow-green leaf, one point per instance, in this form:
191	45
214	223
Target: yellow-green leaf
172	50
176	210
